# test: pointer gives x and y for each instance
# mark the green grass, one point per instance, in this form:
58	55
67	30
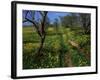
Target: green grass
55	47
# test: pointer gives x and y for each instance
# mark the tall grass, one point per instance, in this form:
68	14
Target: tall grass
55	49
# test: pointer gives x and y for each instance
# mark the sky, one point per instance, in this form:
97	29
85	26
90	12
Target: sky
51	15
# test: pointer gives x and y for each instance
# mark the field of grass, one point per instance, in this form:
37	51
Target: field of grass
64	47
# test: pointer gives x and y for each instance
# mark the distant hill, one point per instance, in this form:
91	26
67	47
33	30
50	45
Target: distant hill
27	25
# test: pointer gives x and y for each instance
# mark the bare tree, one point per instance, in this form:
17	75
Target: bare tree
85	22
39	25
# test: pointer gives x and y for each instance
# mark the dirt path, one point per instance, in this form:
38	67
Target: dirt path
68	60
81	50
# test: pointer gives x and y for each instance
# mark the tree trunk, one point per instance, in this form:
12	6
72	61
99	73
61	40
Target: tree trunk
41	46
39	55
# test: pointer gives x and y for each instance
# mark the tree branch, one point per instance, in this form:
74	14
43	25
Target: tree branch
33	22
43	22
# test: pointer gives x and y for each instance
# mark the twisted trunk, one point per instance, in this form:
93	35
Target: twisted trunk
41	45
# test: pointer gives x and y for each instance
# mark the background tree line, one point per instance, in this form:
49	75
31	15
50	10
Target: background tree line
72	20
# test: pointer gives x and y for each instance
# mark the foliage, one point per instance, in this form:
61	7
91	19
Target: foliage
55	47
74	20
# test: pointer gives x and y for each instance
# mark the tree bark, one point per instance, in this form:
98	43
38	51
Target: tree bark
41	45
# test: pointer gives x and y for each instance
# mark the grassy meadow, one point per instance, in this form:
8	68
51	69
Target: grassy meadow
63	47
